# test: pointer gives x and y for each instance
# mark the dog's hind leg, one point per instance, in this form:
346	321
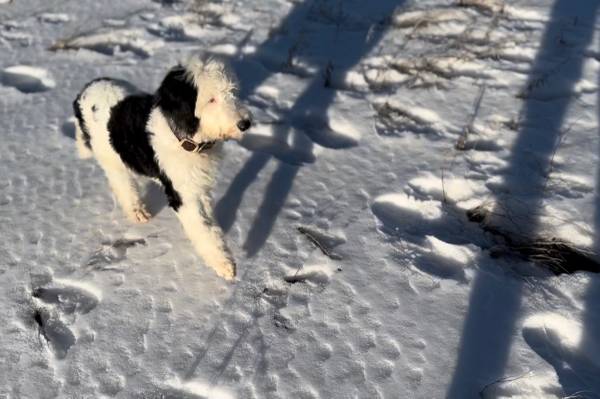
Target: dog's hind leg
207	238
83	149
125	189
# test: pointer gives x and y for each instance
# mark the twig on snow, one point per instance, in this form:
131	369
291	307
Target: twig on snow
327	252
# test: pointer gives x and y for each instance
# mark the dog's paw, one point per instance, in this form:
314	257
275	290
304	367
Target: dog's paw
139	215
84	152
224	269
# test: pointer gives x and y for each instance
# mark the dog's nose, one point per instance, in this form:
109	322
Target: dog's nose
244	124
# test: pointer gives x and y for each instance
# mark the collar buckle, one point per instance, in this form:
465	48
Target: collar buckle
192	146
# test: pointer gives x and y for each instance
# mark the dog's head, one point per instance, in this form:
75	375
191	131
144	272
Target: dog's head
198	100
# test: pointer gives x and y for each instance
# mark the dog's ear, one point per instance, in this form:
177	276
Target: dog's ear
176	98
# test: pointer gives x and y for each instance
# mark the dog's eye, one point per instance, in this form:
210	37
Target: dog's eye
212	100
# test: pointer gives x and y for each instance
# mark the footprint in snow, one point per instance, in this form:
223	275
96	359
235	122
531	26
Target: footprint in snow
446	252
69	299
54	331
562	343
27	79
54	301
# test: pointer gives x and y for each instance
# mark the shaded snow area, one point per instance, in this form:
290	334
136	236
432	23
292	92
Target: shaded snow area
363	271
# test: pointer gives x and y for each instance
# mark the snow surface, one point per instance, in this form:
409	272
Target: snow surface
360	275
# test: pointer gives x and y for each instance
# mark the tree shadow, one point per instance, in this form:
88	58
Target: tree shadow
282	52
490	323
591	315
577	375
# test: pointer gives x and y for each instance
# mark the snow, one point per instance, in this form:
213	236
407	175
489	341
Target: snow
377	125
447	258
54	18
402	210
27	79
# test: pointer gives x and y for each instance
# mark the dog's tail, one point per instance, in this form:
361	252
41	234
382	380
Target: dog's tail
83	146
82	136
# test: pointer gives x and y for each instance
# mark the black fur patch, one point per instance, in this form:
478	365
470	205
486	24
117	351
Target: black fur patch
176	98
131	140
79	116
172	195
128	135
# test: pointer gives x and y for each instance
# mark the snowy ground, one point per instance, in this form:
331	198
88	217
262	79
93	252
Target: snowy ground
360	108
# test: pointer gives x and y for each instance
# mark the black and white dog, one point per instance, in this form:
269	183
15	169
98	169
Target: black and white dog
173	136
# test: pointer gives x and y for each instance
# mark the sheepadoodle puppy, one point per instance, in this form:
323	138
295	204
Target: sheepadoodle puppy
173	136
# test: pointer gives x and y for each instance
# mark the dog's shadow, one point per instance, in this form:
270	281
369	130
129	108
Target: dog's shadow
68	128
153	196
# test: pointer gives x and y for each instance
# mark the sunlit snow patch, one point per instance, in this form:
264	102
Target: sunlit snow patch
451	188
200	390
27	79
224	49
317	269
54	18
115	40
446	260
400	210
556	337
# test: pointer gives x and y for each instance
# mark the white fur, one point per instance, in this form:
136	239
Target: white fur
191	174
216	105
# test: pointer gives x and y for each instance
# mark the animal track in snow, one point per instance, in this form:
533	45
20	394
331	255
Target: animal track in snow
112	252
27	79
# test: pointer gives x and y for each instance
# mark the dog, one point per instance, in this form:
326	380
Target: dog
173	136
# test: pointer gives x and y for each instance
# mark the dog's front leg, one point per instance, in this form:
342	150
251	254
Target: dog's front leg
207	238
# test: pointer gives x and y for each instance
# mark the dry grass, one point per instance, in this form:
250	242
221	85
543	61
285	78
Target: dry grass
485	6
557	255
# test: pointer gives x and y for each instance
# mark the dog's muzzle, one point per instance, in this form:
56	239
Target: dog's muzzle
192	146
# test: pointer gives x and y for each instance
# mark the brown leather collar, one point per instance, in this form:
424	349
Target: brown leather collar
192	146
